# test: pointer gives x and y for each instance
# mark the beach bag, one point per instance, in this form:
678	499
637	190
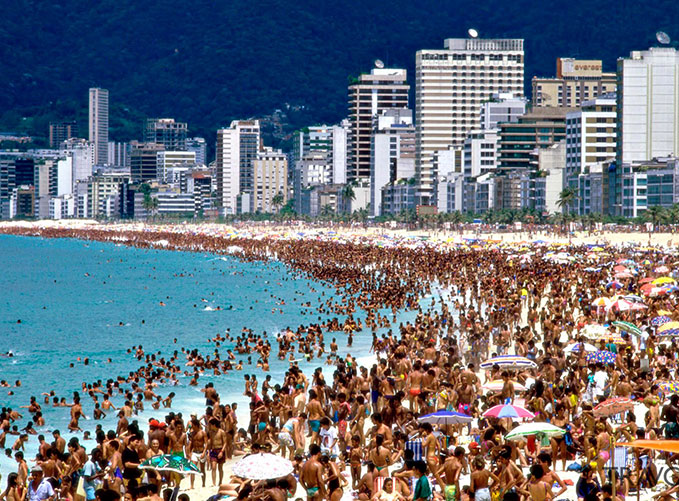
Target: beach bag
415	446
80	490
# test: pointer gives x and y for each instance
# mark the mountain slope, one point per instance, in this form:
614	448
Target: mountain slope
209	61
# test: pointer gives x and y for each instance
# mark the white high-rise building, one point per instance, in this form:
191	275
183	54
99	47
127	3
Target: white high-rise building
451	85
83	155
393	153
503	107
98	123
177	160
480	153
271	179
237	149
331	139
648	105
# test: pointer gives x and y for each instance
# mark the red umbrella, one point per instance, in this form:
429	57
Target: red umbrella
613	406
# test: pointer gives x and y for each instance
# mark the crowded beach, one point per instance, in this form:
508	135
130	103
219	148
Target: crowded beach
535	367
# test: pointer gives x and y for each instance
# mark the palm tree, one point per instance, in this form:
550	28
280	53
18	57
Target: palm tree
150	204
327	212
348	195
566	199
655	214
277	201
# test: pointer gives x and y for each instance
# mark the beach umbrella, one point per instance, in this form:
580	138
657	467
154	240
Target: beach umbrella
660	320
171	463
601	302
509	362
633	298
613	406
628	327
612	338
445	417
621	304
668	326
509	411
535	428
670	387
601	357
661	269
620	268
498	384
614	285
669	332
646	280
575	347
594	331
623	274
664	280
262	466
656	445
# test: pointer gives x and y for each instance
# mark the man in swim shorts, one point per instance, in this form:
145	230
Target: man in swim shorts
311	476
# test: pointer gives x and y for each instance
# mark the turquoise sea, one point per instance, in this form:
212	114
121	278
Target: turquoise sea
72	295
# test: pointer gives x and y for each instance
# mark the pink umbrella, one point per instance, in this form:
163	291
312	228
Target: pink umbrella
509	411
623	305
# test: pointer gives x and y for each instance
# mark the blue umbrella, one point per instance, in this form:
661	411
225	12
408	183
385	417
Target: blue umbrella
445	417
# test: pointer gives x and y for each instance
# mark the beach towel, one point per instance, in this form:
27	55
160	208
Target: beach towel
415	446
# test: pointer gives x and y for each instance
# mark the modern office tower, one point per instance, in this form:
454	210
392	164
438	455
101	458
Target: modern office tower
61	131
170	163
480	153
590	141
83	154
199	147
451	85
98	123
648	105
576	81
24	171
165	131
270	180
502	107
119	154
392	153
236	150
330	139
144	161
370	95
7	186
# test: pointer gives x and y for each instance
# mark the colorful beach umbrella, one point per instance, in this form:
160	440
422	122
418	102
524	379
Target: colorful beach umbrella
601	302
594	331
621	304
669	387
656	445
627	327
576	347
664	280
262	466
612	338
669	332
498	384
509	411
668	326
171	463
445	417
535	428
613	406
661	269
509	362
601	357
660	320
614	285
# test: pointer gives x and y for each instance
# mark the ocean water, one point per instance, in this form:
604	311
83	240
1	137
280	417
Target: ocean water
72	295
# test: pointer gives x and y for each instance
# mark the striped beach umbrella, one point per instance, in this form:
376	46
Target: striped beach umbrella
668	326
601	302
669	332
669	387
614	285
535	428
509	411
498	384
509	362
628	327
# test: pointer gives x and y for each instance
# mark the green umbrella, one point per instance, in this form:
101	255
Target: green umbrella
535	428
628	327
172	463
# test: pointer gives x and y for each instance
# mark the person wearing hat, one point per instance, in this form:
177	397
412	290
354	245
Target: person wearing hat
39	489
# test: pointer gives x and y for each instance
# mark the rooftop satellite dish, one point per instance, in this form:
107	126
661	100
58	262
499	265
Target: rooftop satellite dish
379	63
473	33
663	37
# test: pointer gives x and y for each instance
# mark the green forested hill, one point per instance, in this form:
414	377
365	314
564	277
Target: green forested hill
209	61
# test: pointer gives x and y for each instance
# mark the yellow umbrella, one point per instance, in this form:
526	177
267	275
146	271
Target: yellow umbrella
668	326
601	302
664	280
664	312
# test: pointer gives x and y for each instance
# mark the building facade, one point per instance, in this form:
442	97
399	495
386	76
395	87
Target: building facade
270	180
144	161
451	86
61	131
369	96
576	81
172	135
98	124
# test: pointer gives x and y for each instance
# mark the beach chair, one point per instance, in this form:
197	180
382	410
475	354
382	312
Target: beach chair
621	457
415	445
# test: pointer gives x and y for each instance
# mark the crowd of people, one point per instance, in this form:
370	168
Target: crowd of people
351	430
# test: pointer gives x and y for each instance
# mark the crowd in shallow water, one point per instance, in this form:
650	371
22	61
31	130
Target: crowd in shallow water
359	432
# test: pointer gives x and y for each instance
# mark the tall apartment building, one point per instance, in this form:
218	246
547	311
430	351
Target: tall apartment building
370	95
503	107
576	81
199	147
144	161
480	153
236	150
165	131
451	85
392	153
590	142
173	160
330	139
270	174
98	124
61	131
82	153
119	154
